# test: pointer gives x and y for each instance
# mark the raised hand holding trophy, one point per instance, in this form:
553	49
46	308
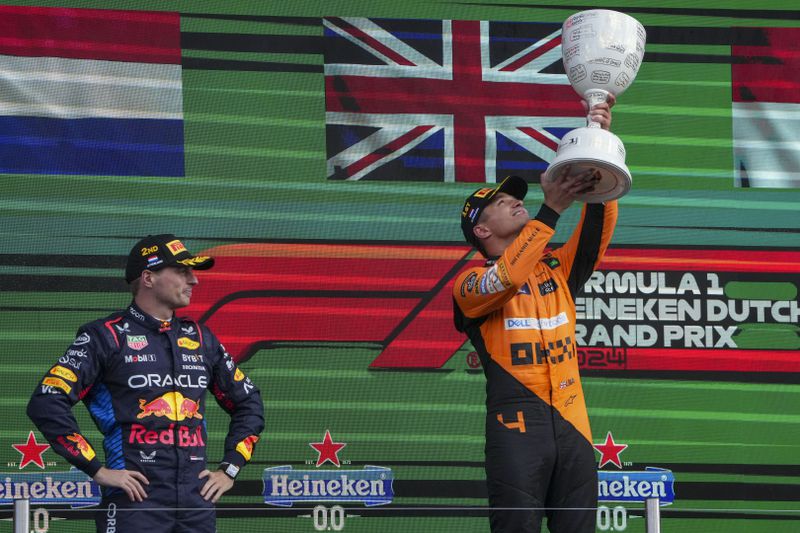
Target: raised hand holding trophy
602	51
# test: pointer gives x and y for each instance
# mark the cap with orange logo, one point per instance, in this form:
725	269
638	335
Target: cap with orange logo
158	251
477	201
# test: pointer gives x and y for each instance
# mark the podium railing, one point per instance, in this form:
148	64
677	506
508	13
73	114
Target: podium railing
59	518
22	516
23	522
652	515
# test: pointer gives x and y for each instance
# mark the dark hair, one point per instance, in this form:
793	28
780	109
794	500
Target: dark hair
134	286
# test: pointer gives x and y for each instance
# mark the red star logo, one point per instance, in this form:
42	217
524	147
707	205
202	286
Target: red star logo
31	452
609	451
328	450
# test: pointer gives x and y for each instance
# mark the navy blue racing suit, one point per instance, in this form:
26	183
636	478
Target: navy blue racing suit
144	382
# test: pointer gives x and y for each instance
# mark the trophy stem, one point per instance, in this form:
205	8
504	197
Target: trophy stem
594	97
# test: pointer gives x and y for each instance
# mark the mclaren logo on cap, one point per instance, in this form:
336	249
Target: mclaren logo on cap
176	247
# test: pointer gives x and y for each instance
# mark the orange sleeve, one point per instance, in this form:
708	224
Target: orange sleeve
481	290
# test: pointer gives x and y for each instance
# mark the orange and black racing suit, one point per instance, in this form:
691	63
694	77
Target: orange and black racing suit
518	311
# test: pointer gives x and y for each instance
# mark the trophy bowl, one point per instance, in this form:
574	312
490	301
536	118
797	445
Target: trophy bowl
602	51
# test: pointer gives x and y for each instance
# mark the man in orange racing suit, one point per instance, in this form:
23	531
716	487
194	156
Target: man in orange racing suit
518	311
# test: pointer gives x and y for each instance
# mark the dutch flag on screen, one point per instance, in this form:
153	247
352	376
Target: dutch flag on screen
85	91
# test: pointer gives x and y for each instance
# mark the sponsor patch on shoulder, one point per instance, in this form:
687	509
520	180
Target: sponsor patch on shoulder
547	287
551	261
57	383
491	281
468	285
65	373
185	342
137	342
83	338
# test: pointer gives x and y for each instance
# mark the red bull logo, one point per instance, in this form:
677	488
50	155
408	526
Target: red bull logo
83	446
189	409
172	405
182	436
245	447
238	375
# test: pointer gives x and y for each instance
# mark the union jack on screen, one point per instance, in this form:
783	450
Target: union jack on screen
444	100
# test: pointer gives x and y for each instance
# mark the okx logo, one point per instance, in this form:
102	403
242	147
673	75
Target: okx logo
371	485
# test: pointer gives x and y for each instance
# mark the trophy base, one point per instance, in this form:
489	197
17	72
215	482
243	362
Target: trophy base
597	149
615	180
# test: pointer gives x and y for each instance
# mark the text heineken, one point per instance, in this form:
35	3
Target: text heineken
73	487
636	486
283	486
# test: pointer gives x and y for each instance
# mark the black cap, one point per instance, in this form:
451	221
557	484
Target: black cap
158	251
477	201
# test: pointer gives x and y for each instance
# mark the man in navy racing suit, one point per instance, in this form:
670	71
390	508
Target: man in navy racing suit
143	374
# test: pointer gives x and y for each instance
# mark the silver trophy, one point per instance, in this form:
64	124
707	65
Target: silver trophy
602	51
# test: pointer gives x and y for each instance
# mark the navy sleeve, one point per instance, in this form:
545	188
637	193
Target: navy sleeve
64	385
241	399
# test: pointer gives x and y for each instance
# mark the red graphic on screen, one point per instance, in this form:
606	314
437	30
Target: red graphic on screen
397	298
